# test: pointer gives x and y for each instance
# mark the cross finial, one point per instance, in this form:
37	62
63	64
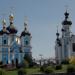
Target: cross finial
12	9
11	16
26	20
26	23
66	6
66	13
57	28
57	32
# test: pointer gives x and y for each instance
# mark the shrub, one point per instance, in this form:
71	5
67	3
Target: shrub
2	72
46	69
72	60
22	71
58	67
49	70
23	64
65	62
70	68
42	68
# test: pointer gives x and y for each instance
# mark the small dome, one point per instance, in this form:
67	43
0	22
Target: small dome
62	30
66	14
58	39
66	22
57	34
4	22
11	17
59	42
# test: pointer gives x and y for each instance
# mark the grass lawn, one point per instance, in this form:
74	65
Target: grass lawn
36	70
33	70
29	71
11	72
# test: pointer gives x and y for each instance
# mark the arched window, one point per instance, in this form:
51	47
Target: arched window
26	42
4	41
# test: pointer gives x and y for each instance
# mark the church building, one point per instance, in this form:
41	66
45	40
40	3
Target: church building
13	47
65	44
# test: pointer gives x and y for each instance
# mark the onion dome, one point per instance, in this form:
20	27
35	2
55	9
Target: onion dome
11	17
58	39
4	30
63	30
59	42
66	22
11	27
57	34
25	32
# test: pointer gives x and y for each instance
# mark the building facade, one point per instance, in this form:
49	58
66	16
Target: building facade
65	44
13	47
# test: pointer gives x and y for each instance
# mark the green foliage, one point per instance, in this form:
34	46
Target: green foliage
72	60
42	68
22	71
2	72
70	68
58	67
49	70
65	62
25	64
46	69
33	70
28	58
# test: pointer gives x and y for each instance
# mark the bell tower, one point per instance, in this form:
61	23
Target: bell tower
26	41
66	24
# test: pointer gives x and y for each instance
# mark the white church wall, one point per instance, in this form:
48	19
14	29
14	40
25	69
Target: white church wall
73	45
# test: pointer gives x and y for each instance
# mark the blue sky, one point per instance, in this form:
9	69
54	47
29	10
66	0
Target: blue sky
43	17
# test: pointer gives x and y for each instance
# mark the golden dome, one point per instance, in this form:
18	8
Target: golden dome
11	17
4	22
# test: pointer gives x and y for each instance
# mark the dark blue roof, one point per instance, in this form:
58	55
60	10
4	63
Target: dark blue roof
12	30
4	32
25	33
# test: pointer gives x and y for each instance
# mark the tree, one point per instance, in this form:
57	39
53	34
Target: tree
72	60
28	58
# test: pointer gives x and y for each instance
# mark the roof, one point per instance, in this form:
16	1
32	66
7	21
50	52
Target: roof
4	32
66	21
12	30
25	33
